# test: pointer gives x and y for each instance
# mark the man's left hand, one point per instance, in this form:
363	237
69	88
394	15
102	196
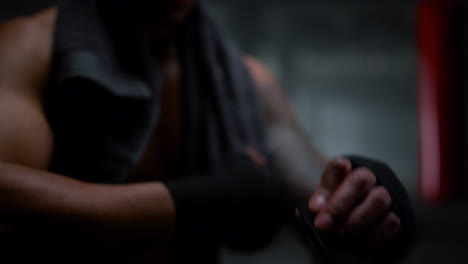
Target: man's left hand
349	203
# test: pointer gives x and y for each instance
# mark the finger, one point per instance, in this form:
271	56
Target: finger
319	199
353	189
333	175
388	228
374	207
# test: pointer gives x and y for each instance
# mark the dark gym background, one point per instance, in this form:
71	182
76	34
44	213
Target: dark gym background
350	69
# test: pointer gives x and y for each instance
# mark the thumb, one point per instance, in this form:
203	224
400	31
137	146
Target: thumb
332	176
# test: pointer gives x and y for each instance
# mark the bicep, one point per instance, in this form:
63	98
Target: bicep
272	97
25	136
25	55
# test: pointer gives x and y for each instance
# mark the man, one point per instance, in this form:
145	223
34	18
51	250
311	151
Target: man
131	132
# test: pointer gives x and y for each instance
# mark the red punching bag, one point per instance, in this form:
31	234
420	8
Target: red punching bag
441	95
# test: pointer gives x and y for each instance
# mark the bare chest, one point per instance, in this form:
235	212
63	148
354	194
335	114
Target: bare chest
162	154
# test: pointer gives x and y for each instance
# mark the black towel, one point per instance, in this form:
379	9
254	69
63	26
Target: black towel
106	101
221	113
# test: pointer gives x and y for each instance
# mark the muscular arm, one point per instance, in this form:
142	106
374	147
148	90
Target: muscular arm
294	154
35	200
345	200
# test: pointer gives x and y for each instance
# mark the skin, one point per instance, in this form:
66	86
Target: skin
347	201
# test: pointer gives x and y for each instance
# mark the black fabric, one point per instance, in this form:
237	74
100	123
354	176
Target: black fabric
104	95
108	85
238	205
222	112
105	100
401	203
230	202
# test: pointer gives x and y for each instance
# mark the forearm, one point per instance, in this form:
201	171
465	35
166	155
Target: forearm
296	159
294	155
38	201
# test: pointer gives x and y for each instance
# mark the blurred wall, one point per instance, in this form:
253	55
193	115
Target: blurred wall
349	68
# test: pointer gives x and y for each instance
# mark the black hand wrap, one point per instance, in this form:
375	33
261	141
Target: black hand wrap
401	204
340	250
238	205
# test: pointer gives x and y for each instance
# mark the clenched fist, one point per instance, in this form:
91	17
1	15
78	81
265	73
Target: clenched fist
349	203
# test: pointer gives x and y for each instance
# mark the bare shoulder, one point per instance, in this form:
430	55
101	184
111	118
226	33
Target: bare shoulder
25	56
272	96
263	78
25	50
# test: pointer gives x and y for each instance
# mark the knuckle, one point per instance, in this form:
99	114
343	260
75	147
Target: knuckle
362	178
381	198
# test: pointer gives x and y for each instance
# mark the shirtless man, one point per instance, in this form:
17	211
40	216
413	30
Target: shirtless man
136	221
